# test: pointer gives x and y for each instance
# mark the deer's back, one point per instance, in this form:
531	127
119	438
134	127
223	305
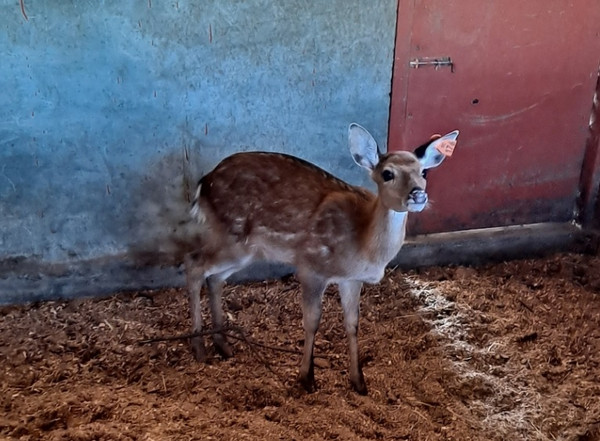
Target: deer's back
278	192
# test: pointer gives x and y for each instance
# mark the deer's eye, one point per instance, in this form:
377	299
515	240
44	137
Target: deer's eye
424	173
387	175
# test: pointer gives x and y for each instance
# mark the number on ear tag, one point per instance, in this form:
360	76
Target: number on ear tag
446	147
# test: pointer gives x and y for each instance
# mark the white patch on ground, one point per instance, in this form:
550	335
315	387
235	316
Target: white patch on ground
511	409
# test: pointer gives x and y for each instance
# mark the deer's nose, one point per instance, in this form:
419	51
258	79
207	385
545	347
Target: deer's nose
418	195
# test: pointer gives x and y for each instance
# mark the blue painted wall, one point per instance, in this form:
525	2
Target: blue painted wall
108	107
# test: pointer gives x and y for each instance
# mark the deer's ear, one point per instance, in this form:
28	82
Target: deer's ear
432	153
363	147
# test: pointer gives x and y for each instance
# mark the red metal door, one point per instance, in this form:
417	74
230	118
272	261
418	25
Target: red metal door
520	90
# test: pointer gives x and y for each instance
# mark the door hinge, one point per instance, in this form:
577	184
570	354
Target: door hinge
436	62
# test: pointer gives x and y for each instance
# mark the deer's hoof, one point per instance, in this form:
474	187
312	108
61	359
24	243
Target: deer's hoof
198	349
359	384
361	388
223	348
308	383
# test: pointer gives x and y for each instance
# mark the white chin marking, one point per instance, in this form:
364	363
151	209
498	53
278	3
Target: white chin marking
415	208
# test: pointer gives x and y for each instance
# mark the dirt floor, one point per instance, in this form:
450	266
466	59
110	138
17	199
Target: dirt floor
503	352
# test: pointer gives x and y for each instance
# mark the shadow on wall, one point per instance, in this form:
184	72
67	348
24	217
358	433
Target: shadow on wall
162	229
152	223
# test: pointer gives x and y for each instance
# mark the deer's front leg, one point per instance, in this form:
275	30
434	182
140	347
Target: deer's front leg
312	296
350	298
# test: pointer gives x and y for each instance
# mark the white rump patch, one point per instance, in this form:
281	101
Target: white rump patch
197	213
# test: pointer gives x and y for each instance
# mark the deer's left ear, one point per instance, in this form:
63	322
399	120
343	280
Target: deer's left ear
433	152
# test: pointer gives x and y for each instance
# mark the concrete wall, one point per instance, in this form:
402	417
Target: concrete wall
107	108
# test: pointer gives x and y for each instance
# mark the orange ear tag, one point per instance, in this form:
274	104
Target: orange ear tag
446	148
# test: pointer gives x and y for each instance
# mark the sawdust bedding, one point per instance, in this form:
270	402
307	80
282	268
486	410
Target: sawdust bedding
506	351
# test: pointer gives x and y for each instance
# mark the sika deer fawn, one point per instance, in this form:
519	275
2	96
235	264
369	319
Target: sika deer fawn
280	208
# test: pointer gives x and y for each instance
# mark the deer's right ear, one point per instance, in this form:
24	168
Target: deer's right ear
362	147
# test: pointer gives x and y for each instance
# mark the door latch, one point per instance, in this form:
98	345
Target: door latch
436	62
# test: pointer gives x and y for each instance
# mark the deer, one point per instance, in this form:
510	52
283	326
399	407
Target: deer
280	208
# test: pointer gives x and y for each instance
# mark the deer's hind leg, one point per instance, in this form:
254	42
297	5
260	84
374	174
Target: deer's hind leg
215	290
214	269
194	280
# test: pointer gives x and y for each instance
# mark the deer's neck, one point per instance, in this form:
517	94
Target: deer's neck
387	232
